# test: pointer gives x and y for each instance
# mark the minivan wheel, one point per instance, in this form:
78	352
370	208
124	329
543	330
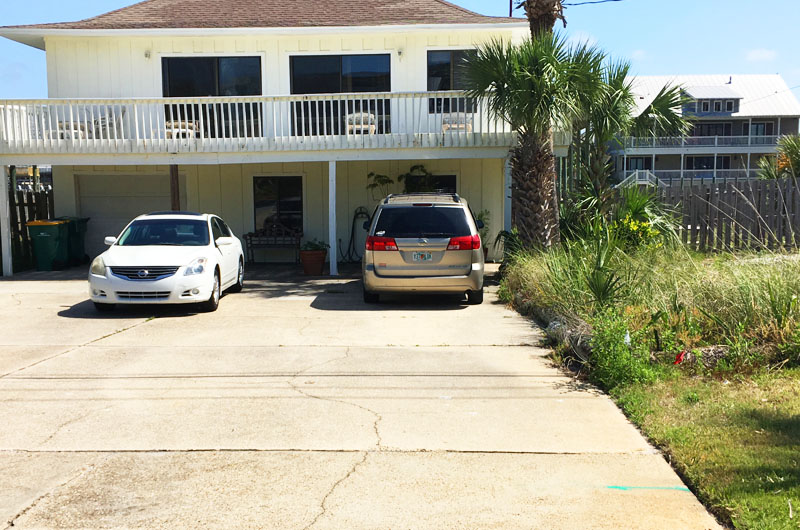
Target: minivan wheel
371	298
475	297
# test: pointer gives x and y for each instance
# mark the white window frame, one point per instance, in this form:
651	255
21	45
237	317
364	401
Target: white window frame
730	103
717	103
705	105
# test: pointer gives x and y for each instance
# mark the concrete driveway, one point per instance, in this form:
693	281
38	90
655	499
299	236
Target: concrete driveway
297	406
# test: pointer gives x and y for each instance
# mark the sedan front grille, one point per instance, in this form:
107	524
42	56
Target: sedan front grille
143	273
142	295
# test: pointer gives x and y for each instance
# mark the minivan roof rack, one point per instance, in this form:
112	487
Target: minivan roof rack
421	196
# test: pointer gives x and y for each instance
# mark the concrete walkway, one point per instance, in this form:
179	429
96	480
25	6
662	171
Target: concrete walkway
297	406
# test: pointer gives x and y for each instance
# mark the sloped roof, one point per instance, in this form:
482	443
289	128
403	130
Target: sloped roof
185	14
761	95
712	92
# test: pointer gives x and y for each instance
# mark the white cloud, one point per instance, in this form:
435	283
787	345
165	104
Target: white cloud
761	55
639	55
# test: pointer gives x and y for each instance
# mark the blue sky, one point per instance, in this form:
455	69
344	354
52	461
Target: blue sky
657	36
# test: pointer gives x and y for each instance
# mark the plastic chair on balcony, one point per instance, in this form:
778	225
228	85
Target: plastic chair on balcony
361	123
109	125
73	130
456	122
182	129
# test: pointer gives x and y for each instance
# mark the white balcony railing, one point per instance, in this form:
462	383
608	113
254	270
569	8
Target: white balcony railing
693	174
259	123
671	142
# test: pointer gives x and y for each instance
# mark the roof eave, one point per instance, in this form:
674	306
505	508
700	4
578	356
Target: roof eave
35	36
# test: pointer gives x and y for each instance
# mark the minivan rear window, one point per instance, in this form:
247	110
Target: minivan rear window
422	221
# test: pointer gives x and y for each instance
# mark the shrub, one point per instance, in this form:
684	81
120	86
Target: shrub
620	355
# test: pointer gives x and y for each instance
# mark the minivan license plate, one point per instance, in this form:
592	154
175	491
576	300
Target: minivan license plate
421	256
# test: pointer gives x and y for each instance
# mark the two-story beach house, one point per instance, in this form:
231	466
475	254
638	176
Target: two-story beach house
267	112
736	120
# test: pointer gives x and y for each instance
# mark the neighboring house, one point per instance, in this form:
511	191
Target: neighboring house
263	111
736	120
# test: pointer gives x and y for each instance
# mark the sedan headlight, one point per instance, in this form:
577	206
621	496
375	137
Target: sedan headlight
196	267
98	267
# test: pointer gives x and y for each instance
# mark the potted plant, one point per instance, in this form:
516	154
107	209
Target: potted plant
312	256
484	216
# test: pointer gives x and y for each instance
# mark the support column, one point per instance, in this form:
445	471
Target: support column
683	163
5	224
747	173
332	218
507	194
174	188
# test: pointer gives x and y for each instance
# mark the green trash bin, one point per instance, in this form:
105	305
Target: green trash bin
50	244
76	227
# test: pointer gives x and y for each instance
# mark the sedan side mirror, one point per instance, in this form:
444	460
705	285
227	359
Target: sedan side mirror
110	240
479	224
366	225
223	241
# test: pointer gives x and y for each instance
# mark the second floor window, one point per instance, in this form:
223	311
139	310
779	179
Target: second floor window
211	76
447	71
711	129
341	74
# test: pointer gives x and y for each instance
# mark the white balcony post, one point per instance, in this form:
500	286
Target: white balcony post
507	193
683	158
5	224
778	132
750	131
332	217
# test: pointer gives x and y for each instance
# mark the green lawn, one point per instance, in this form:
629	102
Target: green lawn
737	442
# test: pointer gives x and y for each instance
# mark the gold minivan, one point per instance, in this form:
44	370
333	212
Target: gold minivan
423	243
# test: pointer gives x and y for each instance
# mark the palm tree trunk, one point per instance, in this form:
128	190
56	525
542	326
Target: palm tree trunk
534	200
543	15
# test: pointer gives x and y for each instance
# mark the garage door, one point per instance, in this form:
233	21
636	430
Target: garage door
112	201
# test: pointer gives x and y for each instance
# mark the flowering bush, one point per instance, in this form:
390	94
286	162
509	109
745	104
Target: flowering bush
636	234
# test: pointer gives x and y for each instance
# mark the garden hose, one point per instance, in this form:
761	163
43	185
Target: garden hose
352	256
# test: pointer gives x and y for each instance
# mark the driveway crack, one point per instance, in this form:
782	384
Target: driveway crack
323	505
71	421
299	390
93	341
11	523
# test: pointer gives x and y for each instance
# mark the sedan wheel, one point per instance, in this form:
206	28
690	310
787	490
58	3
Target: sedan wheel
213	302
239	285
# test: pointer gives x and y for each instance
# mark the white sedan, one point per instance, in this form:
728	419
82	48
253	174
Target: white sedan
168	258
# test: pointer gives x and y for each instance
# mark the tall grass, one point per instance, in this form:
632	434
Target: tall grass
696	300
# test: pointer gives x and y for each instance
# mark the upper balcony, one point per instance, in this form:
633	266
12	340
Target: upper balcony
754	143
238	128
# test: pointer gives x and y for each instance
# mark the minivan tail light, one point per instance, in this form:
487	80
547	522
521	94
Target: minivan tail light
465	243
381	243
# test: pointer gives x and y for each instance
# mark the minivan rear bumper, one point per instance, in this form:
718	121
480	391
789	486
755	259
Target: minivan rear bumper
424	284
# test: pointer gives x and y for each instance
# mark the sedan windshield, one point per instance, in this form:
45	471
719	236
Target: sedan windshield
172	232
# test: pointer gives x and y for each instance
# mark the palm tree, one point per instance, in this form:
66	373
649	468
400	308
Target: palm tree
535	86
613	114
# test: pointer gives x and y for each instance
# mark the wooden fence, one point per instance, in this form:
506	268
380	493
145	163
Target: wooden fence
27	206
754	214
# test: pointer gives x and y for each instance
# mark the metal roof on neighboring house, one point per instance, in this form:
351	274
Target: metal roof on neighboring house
761	95
186	14
712	92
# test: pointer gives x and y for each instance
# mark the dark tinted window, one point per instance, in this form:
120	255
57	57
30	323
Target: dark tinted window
422	221
430	183
278	200
173	232
211	76
447	69
316	74
331	74
216	229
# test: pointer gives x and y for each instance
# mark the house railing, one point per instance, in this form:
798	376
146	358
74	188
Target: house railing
674	176
298	122
670	142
